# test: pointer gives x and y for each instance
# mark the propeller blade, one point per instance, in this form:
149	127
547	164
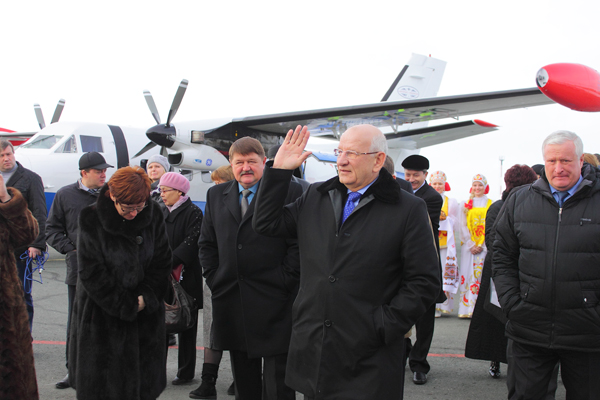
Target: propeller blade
164	152
145	149
177	101
152	106
58	111
39	115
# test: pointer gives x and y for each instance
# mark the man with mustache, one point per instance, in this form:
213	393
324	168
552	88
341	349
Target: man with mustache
253	280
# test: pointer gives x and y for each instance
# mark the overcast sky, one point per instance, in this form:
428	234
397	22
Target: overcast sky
250	58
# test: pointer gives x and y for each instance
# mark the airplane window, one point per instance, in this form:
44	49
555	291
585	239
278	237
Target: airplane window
91	143
42	142
69	146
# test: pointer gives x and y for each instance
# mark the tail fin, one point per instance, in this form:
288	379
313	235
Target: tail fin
420	78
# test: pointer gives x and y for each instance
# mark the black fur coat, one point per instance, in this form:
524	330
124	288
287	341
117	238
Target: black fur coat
117	352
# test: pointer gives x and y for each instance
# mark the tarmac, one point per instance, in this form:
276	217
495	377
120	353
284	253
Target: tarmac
452	376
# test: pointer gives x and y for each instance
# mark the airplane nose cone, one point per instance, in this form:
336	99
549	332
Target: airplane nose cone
542	78
162	135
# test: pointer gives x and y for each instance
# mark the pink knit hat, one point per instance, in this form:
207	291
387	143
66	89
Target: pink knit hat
175	181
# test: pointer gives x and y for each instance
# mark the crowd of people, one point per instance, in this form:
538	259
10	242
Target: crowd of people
311	288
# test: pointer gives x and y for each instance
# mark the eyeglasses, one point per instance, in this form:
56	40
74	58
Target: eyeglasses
165	190
351	154
129	209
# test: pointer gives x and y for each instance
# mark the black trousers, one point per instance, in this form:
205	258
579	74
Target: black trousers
417	355
253	382
530	370
71	290
186	353
27	287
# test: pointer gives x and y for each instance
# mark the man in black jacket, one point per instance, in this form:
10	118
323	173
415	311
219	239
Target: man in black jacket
253	280
368	264
62	223
31	187
415	172
545	268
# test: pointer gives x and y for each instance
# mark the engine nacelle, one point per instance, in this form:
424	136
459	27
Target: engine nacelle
573	85
199	158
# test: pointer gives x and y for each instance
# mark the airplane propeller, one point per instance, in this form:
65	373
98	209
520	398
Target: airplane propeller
162	134
57	112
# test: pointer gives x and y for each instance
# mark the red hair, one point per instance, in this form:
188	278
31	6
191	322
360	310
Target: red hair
129	185
519	175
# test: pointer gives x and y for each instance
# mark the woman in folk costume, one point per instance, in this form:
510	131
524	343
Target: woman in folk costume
472	229
448	221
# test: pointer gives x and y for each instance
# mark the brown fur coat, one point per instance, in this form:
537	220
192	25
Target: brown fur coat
17	370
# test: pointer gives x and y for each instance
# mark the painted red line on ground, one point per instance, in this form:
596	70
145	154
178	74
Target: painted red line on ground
447	355
58	343
54	342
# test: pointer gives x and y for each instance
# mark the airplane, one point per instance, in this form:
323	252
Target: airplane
18	138
196	148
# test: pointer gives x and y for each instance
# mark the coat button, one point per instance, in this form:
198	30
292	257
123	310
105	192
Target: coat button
239	246
331	278
328	323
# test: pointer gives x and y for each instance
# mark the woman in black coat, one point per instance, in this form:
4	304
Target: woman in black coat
486	339
183	220
117	337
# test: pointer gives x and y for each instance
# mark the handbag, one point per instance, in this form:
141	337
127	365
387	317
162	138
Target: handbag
181	310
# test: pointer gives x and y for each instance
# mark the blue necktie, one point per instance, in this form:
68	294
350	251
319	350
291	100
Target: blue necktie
352	197
561	198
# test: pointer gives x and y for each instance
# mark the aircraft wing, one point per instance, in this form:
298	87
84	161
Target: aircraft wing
16	138
395	115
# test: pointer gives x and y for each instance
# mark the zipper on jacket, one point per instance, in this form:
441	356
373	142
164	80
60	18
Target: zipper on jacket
553	293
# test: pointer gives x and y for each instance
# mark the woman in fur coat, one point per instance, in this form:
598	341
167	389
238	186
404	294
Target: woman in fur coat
118	323
17	370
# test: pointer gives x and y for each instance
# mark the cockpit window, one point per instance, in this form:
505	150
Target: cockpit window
42	142
69	146
91	143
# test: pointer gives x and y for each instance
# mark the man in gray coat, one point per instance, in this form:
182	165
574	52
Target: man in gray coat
368	268
62	223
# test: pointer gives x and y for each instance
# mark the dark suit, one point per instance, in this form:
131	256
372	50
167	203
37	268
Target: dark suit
425	325
254	281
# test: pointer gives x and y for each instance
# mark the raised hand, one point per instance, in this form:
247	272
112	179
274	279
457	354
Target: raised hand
291	154
4	196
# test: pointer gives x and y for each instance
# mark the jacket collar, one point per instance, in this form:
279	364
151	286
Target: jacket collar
590	181
384	189
111	220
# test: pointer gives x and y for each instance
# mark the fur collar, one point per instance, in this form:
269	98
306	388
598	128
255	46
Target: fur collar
111	220
385	188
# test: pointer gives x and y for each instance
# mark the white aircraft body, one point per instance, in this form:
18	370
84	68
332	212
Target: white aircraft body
196	148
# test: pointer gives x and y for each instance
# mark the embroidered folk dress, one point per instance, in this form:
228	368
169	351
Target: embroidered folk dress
471	266
449	260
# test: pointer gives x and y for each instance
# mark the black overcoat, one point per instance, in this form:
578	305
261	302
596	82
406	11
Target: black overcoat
183	230
253	278
116	352
362	285
486	339
434	208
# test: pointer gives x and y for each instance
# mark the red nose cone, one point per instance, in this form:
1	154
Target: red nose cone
573	85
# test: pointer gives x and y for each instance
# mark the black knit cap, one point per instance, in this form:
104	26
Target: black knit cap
416	163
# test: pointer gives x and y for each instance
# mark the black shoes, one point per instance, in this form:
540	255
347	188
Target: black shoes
206	390
419	378
231	389
179	381
64	384
495	369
